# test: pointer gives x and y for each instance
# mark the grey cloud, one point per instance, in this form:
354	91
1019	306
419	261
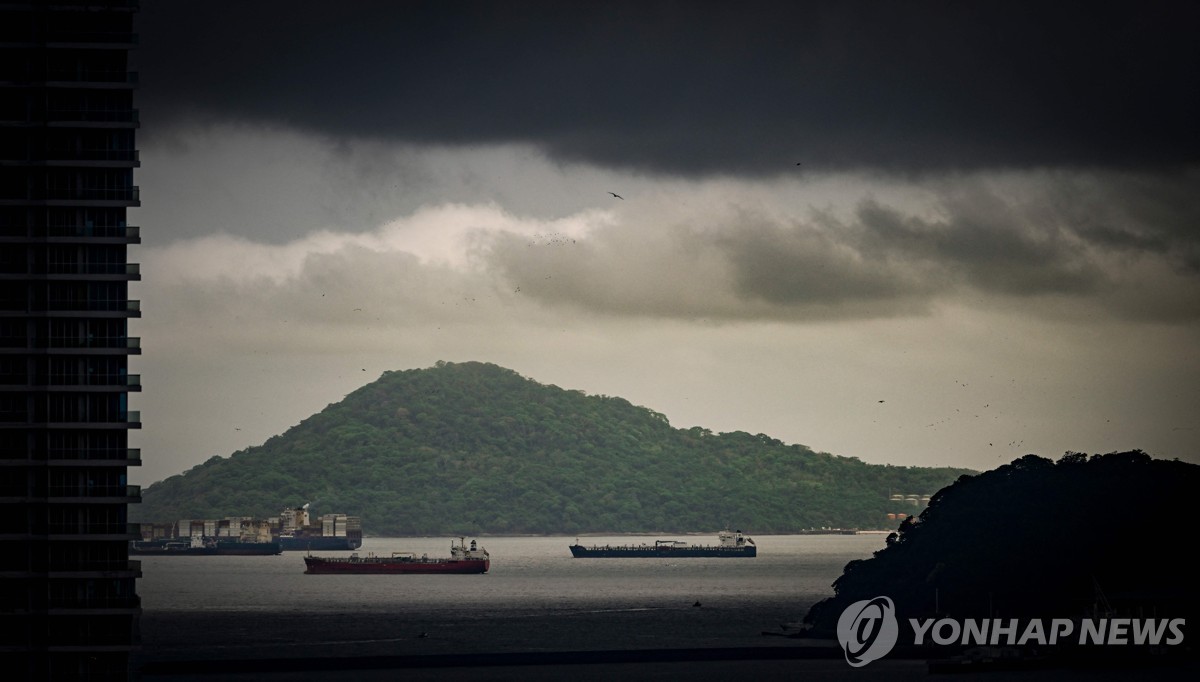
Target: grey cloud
623	271
738	266
983	242
802	265
699	87
274	185
884	255
1009	240
1148	212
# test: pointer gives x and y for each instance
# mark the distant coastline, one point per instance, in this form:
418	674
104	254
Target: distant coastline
647	534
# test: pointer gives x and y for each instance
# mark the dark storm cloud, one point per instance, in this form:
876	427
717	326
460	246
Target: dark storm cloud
1051	234
803	264
883	254
1132	213
700	87
1123	243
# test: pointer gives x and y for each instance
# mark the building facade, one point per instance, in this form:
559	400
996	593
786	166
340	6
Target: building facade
68	604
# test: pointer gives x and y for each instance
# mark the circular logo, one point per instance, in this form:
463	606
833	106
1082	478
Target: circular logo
867	630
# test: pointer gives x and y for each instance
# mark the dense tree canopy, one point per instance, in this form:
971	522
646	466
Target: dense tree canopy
475	448
1039	539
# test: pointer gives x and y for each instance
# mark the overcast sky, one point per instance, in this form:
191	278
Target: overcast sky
913	233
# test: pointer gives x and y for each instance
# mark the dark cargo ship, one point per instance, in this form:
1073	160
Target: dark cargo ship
462	560
201	546
331	532
292	530
302	542
234	535
729	544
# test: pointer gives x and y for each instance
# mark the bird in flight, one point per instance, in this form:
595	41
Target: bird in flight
617	196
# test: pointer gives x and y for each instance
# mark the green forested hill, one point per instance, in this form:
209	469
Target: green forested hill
469	448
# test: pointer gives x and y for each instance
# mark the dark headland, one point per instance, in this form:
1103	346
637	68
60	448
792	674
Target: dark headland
1084	538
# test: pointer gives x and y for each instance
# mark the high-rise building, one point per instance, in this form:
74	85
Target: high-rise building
68	604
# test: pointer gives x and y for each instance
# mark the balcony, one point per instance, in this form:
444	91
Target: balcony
115	568
92	154
65	568
114	306
74	457
10	344
78	456
76	380
106	531
91	115
110	38
90	75
77	493
125	233
123	195
51	269
82	158
74	494
125	269
94	602
21	419
120	118
102	5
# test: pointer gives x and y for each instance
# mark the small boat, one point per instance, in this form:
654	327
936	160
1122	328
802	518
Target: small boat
463	560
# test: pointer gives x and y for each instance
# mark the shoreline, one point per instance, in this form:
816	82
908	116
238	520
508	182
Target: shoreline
649	534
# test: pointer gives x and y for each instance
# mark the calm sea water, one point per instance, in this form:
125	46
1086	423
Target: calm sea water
535	597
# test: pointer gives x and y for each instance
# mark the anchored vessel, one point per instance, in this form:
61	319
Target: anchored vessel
202	546
330	532
462	559
292	530
729	544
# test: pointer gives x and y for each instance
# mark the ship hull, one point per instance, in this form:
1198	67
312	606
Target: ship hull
383	566
319	543
647	552
249	548
153	548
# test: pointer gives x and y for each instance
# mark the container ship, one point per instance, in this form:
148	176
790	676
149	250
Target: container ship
462	560
331	532
291	531
729	544
233	535
201	546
